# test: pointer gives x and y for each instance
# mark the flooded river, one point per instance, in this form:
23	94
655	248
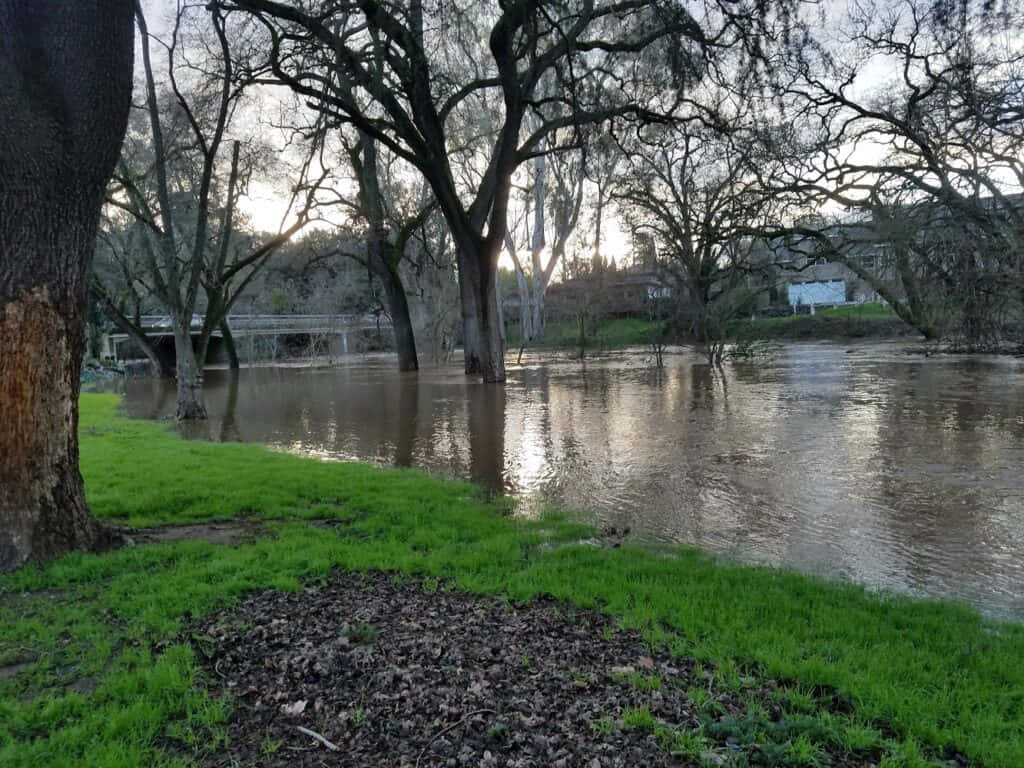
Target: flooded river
862	463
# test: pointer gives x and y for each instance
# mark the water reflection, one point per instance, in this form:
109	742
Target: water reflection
867	464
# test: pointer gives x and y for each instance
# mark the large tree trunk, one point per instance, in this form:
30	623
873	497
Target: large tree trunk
384	257
471	339
915	313
401	323
229	344
905	310
65	70
187	373
481	319
492	346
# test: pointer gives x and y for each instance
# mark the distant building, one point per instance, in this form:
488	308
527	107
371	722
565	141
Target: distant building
628	292
801	271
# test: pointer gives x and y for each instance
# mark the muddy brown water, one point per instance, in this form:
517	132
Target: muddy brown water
864	463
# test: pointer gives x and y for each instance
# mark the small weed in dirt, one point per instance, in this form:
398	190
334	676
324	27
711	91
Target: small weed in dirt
647	682
638	717
497	733
362	633
685	743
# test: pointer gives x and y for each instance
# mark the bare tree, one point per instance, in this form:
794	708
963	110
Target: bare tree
65	90
390	224
117	287
435	287
555	200
172	178
695	191
602	163
542	58
932	158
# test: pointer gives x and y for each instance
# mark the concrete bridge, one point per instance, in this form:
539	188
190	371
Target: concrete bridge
330	334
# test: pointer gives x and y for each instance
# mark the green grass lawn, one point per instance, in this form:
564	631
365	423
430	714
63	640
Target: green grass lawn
96	671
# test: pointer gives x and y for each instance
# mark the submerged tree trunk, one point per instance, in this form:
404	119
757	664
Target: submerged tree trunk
401	323
187	373
912	311
915	313
492	343
229	344
471	340
384	257
481	320
66	71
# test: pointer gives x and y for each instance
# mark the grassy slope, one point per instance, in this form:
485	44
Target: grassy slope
847	322
919	676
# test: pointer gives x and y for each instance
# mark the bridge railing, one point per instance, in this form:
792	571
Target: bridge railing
266	322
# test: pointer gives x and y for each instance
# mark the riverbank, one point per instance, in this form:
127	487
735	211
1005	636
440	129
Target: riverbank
102	661
862	321
859	321
611	333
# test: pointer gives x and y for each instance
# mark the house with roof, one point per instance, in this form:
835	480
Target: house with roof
803	271
626	292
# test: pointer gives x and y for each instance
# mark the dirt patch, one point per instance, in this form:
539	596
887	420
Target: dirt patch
231	532
13	669
401	674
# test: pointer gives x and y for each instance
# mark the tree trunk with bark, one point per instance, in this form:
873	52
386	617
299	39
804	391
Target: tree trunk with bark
492	346
401	322
65	70
481	320
471	340
229	345
383	256
912	311
187	372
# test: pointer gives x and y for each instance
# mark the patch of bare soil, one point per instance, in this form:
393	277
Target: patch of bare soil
229	532
371	671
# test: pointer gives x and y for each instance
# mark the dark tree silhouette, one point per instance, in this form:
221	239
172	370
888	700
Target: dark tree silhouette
65	88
